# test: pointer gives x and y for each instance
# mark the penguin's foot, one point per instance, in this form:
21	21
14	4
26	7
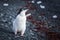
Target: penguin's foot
22	35
16	36
15	32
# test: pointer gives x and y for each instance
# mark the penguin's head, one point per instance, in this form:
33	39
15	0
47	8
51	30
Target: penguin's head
19	11
23	12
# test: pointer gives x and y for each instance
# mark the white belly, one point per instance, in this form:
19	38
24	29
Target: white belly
19	24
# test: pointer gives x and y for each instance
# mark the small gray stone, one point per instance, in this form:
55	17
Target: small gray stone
2	24
10	16
32	33
9	22
4	20
2	14
9	38
6	25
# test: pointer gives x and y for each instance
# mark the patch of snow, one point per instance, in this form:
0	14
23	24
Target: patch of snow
54	16
33	1
5	4
42	6
38	2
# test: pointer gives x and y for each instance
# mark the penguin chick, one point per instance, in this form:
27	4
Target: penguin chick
19	24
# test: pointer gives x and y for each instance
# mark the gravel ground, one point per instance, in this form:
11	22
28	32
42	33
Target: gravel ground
8	14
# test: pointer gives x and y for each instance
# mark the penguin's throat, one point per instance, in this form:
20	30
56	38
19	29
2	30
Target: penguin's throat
22	14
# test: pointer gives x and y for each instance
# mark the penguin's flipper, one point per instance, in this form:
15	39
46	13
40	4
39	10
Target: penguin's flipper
28	14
